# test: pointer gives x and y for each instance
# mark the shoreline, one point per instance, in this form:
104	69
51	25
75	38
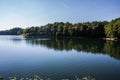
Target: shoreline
105	38
111	39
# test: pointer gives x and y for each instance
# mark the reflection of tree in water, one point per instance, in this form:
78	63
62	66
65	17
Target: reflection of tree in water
87	45
112	48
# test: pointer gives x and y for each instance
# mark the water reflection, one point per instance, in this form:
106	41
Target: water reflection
14	38
65	58
94	46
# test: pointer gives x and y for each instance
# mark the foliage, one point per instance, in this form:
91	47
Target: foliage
13	78
112	29
1	78
93	29
60	29
87	29
37	77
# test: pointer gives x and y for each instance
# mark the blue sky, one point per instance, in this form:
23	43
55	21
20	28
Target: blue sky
27	13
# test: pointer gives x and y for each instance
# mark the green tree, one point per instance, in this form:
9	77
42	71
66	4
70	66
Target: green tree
112	29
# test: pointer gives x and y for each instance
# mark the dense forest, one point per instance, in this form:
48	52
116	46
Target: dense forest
14	31
86	29
95	29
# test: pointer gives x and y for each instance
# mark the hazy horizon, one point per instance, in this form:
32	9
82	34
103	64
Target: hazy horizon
27	13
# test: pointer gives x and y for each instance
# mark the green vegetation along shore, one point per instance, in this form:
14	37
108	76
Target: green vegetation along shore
93	29
37	77
96	29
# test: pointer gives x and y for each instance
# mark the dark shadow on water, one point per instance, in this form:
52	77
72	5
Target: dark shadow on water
95	46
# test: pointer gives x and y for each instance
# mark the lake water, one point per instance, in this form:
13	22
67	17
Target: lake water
59	58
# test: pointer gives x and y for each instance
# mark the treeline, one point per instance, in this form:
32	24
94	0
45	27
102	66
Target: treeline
93	29
86	29
14	31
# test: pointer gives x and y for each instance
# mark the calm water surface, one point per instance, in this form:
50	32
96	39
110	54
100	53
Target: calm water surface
59	58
